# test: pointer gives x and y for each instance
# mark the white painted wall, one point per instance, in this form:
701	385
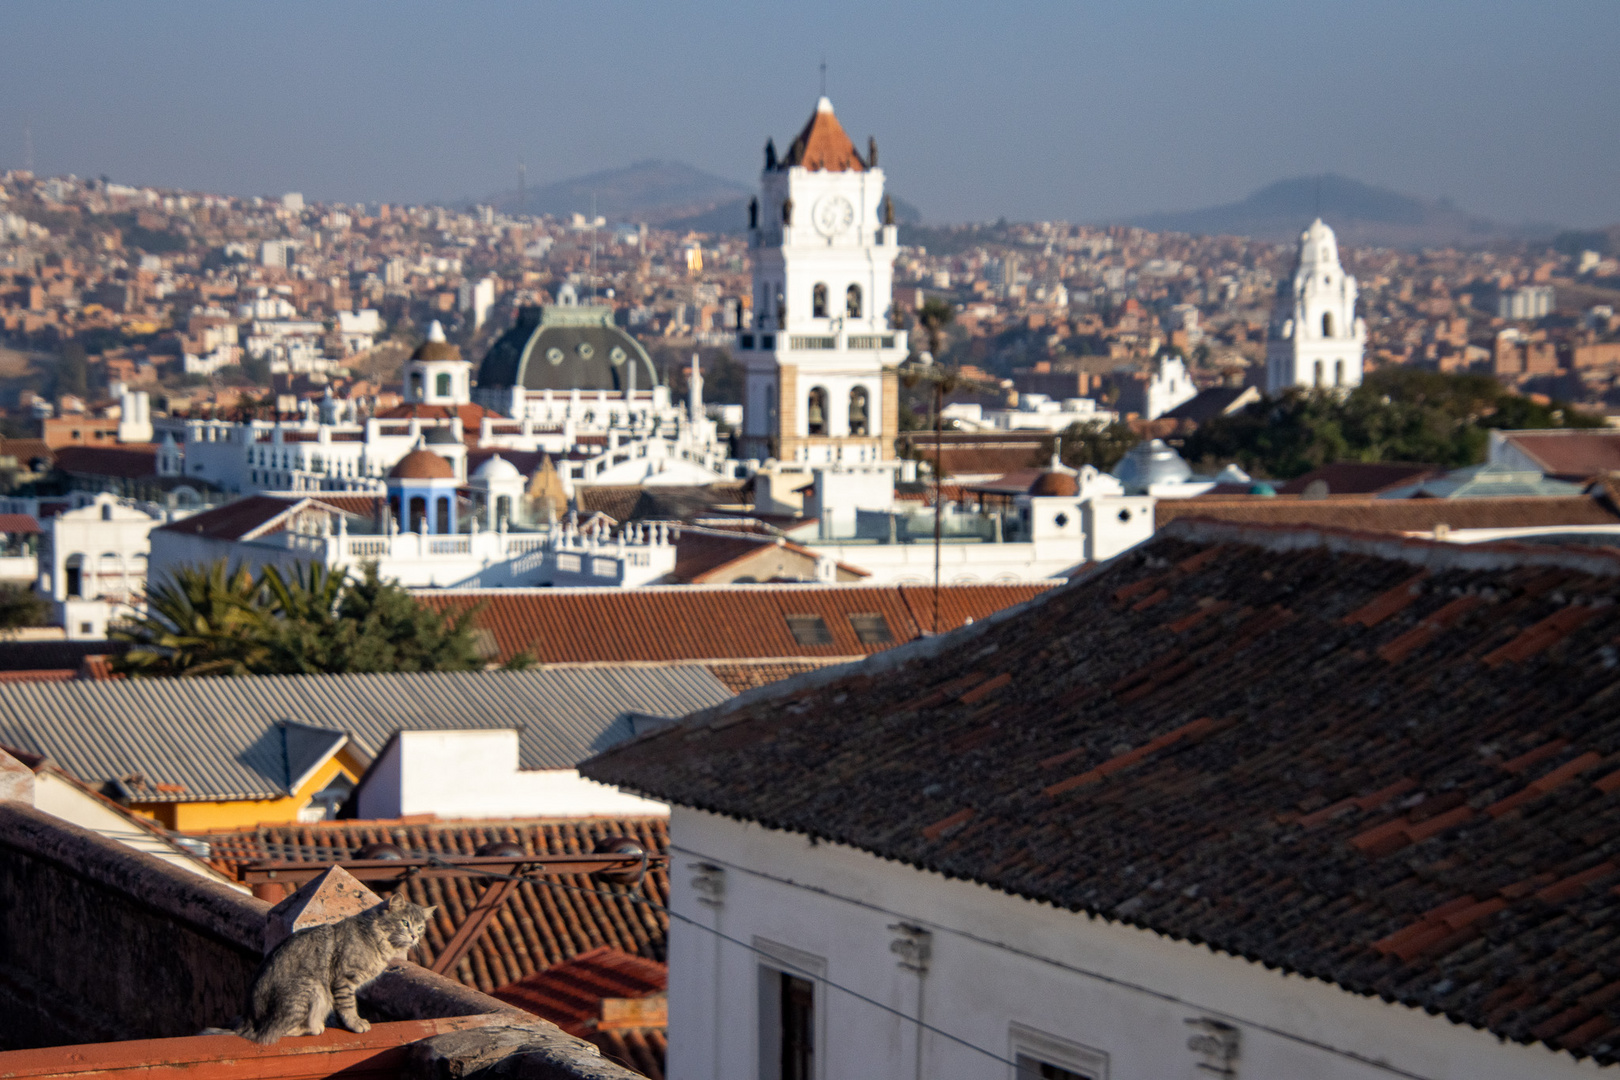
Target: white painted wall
475	774
1005	969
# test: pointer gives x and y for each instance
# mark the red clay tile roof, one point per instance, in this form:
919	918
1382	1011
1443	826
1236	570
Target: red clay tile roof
700	554
1361	478
1573	454
746	675
642	1050
570	994
539	925
18	523
1392	515
1387	763
130	462
234	520
713	622
976	452
471	415
823	147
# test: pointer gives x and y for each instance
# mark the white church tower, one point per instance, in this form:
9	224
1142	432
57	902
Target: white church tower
820	356
1316	340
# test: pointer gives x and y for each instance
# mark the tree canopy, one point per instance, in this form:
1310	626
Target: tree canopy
210	621
1396	414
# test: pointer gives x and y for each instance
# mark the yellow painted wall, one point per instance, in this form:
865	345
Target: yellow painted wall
215	816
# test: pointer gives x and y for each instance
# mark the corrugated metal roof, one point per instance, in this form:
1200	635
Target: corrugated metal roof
222	738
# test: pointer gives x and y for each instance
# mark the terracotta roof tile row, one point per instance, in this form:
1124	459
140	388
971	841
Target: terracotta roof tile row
1388	763
740	622
538	926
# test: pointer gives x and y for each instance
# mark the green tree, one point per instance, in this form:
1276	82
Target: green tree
203	621
1092	442
1397	414
395	632
20	606
934	315
306	636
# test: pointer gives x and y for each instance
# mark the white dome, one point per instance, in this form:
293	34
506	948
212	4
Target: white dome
497	468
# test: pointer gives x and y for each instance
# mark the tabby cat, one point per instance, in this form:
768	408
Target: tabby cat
317	971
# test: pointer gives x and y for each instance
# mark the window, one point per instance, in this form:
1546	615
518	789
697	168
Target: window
1318	381
503	508
442	384
416	386
418	514
852	302
815	413
809	630
73	572
789	1028
442	522
871	629
1039	1056
1327	324
858	402
1338	373
818	301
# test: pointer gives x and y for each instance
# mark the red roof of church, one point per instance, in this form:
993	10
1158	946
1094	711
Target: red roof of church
822	146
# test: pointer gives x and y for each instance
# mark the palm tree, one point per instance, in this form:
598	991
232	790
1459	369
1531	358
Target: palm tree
202	621
934	315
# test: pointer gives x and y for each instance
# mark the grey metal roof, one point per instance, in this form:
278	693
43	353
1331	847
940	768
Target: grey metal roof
236	738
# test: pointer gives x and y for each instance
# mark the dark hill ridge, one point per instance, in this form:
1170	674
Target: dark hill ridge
1361	214
652	191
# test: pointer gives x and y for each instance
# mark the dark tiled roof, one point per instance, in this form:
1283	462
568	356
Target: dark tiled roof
537	927
974	452
1393	515
1361	478
52	655
1392	764
712	622
1206	405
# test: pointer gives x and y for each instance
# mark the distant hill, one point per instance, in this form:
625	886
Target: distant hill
732	218
1360	214
652	191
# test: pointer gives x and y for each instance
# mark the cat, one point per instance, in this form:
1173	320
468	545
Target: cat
317	971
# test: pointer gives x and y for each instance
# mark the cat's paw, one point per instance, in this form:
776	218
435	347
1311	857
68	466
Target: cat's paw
359	1025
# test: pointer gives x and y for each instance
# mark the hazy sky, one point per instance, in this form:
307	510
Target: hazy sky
1081	111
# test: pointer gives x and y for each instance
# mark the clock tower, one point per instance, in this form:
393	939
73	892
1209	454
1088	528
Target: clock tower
821	354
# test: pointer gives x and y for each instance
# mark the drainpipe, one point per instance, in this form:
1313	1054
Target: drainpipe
913	944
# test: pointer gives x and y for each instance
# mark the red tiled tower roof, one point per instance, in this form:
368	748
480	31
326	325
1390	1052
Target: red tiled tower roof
422	465
823	146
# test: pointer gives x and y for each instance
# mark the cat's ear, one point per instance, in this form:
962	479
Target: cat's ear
427	912
396	900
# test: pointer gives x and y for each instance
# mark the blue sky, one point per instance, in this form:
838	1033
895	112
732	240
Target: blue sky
1082	111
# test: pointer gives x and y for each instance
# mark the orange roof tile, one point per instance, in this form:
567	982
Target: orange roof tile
822	146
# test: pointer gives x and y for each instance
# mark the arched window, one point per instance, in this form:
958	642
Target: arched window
418	514
815	412
1327	324
818	301
1338	373
442	384
442	524
416	386
781	308
858	412
852	302
1318	381
393	507
73	576
503	508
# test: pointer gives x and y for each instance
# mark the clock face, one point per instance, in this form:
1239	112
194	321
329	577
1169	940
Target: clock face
833	214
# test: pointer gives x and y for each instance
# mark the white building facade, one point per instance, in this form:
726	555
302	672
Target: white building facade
793	957
1316	340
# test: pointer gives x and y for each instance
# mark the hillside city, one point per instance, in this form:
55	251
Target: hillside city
467	641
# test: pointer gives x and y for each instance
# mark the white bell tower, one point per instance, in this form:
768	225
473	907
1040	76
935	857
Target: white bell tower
820	355
1316	340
